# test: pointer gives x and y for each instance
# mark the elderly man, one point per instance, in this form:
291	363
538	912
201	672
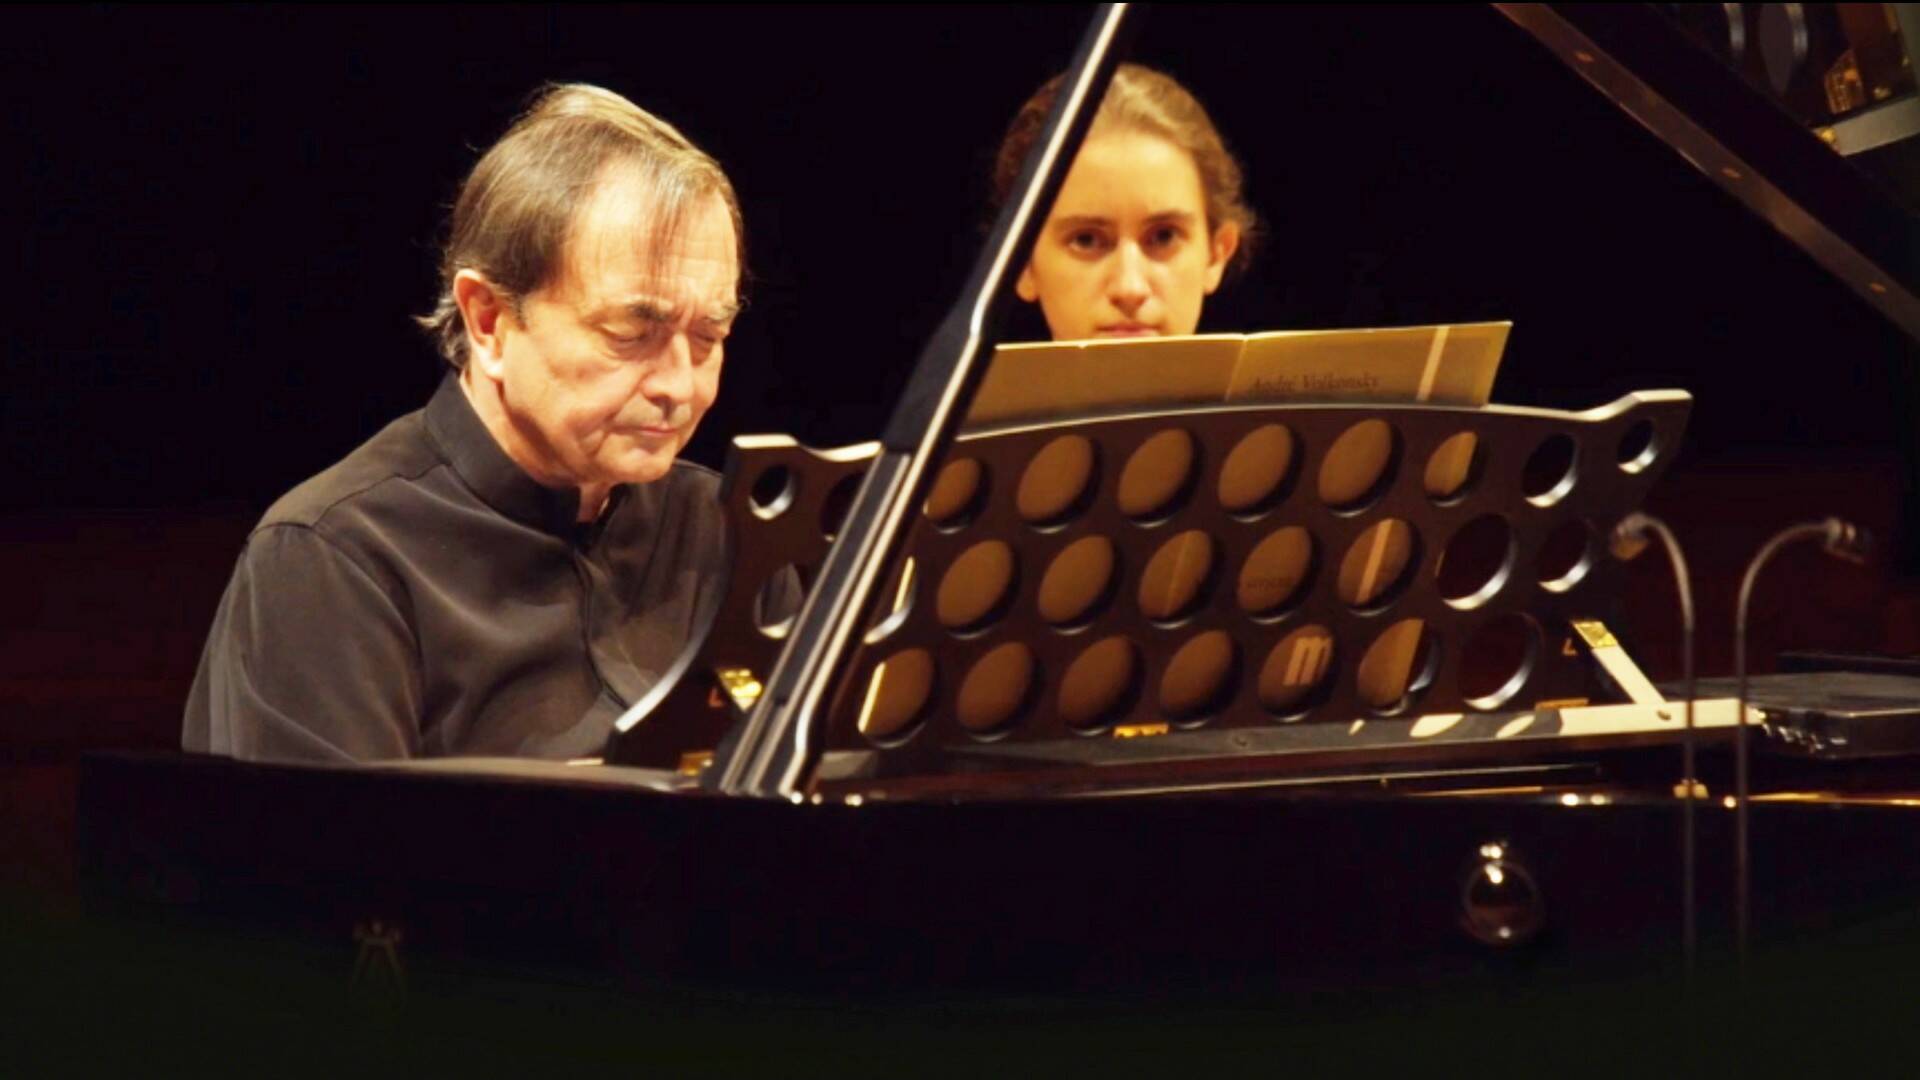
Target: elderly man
503	571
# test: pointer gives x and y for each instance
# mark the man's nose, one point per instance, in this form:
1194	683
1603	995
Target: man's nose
1128	289
669	379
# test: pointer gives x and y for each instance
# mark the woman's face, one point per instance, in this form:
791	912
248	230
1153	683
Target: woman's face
1127	251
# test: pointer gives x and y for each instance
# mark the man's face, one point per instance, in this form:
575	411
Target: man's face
606	371
1127	251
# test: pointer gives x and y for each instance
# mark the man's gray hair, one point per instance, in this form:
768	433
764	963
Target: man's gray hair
516	209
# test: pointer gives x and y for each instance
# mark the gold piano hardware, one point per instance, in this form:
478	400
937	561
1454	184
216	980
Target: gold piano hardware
1562	703
1836	798
1699	790
1605	649
740	685
1846	91
1595	634
1461	793
694	762
1140	731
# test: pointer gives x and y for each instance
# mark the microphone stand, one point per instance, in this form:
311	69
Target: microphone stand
1844	541
771	751
1629	540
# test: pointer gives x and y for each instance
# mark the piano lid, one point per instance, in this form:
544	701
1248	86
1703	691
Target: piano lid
1793	131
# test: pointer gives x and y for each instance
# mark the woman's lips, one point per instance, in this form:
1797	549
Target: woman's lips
1127	330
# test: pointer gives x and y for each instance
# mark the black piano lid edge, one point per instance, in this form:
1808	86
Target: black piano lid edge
1740	141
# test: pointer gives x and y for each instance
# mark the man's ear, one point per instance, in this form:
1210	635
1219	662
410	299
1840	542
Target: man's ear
1025	287
484	310
1226	241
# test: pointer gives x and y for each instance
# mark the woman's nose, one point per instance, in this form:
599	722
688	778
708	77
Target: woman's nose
1128	287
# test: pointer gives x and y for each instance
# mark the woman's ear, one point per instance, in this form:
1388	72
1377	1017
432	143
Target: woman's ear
1226	241
1025	287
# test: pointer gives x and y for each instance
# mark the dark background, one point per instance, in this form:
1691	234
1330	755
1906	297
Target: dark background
223	220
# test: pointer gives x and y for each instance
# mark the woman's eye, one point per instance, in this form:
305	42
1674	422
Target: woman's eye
1085	241
1164	236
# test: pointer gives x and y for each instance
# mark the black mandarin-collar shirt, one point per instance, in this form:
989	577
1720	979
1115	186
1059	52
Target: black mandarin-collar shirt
426	597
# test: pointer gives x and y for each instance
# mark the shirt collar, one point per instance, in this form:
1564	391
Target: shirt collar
487	469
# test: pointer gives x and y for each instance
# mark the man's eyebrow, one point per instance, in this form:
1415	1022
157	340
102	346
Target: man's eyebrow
653	310
722	314
650	310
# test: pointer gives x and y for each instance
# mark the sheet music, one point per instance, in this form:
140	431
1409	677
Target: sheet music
1447	365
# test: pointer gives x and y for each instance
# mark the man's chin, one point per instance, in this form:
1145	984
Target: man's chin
642	468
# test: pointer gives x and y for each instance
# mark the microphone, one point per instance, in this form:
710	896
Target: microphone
1629	539
1842	540
1845	540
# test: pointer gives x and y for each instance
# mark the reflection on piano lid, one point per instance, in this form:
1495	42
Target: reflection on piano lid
1759	98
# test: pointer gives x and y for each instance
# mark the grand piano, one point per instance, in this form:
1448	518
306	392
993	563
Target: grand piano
722	839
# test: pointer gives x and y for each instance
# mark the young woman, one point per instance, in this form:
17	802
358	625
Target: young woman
1149	221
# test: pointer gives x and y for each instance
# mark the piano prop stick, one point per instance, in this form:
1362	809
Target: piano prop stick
771	752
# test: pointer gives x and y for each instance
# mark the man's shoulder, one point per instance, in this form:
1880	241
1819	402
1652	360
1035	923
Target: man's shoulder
401	451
